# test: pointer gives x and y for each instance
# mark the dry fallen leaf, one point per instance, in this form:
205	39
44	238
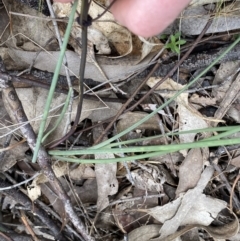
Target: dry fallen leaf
149	179
144	233
193	209
83	171
34	190
105	110
14	154
33	101
224	77
23	28
106	176
100	33
130	118
47	61
189	117
190	171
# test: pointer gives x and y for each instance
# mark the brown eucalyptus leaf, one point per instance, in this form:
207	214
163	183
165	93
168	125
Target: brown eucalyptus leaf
106	180
223	232
105	110
191	208
114	69
225	71
25	29
144	233
15	153
190	171
130	118
235	161
33	101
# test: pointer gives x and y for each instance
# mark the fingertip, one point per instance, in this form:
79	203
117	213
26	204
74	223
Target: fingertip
147	18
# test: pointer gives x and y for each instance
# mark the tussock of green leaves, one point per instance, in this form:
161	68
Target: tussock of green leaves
144	151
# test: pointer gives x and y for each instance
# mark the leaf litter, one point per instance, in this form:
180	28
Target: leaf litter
166	197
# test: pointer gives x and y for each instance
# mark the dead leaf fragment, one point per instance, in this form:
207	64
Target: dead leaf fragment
11	156
34	190
190	171
149	179
106	176
23	29
130	118
82	172
33	101
189	117
144	233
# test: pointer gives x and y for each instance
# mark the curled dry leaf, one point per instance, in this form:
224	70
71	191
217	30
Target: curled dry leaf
100	33
184	206
150	45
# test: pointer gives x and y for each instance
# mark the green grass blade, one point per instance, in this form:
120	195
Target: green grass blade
211	129
54	82
161	151
136	149
224	134
61	115
168	101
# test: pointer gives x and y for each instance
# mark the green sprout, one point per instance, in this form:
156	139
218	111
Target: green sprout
175	43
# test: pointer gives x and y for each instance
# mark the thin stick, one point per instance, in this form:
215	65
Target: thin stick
21	183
